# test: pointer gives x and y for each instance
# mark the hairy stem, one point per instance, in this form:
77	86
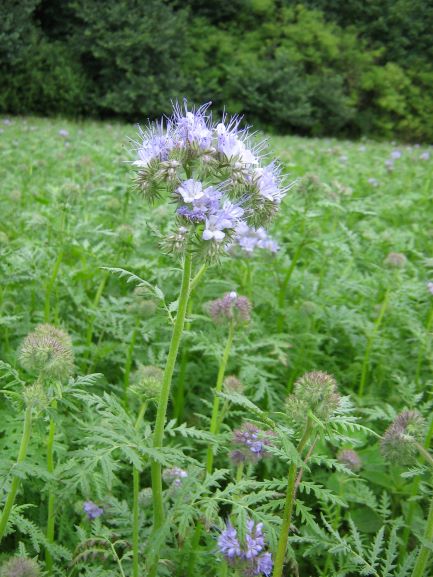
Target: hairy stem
135	504
158	435
128	362
370	340
288	507
51	513
179	402
16	481
216	402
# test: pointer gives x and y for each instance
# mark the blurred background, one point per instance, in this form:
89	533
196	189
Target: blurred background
317	67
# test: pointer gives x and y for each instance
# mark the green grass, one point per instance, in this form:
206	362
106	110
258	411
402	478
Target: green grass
329	300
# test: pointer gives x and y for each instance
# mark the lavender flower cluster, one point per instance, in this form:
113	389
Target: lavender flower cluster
222	190
230	307
174	476
250	444
248	556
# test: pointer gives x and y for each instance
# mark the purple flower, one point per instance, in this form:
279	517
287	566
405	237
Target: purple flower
350	459
248	556
193	127
268	183
157	142
251	444
227	217
230	307
229	143
63	133
430	287
228	543
424	156
92	510
396	154
190	190
250	238
191	214
254	540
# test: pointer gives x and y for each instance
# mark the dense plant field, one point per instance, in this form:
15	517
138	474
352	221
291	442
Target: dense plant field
300	404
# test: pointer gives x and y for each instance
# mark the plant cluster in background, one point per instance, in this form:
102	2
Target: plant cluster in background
317	67
177	401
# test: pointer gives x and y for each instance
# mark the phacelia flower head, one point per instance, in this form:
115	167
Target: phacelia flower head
92	510
248	556
20	567
399	442
248	239
174	476
396	260
314	392
350	459
230	307
430	287
47	352
147	381
233	385
215	175
250	444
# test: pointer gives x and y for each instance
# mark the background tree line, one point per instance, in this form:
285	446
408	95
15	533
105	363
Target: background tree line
334	67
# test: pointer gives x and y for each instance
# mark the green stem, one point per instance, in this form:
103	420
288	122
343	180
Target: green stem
288	507
158	435
135	505
365	362
16	481
239	472
50	284
424	552
51	513
422	346
179	402
218	388
135	526
116	557
197	278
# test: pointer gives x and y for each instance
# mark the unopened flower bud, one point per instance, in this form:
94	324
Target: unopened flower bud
350	459
35	397
230	307
396	260
399	441
20	567
47	352
147	381
314	392
233	385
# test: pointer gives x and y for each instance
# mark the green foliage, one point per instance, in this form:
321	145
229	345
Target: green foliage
317	67
315	307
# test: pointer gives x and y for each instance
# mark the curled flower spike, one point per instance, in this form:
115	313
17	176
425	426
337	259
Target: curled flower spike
317	392
399	442
350	459
20	567
230	307
250	444
92	510
47	352
248	556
